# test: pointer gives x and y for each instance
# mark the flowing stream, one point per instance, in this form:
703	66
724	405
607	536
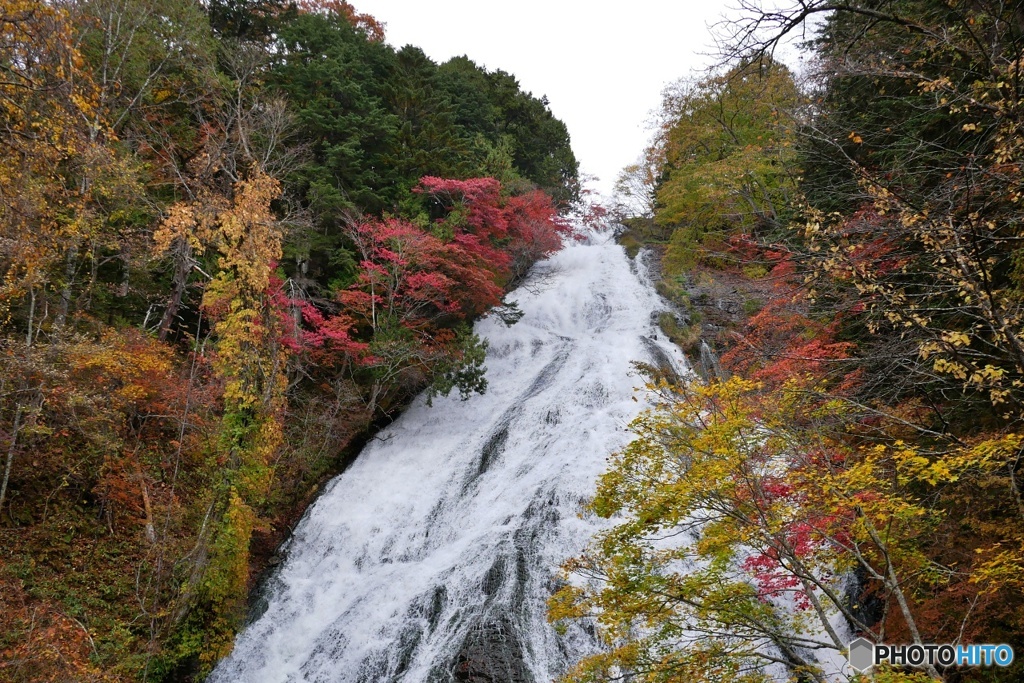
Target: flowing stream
431	557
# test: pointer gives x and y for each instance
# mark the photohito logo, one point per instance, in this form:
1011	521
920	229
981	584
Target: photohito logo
864	654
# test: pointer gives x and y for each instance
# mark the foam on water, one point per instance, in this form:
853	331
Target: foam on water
432	556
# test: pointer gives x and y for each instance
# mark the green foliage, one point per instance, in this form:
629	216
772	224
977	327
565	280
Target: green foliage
686	337
223	588
338	78
685	247
246	19
631	244
375	121
514	124
726	150
379	120
508	313
722	164
464	370
752	306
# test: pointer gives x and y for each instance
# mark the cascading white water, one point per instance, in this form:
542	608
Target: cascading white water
431	557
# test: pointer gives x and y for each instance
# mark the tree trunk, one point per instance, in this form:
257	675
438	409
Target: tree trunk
182	267
10	455
65	291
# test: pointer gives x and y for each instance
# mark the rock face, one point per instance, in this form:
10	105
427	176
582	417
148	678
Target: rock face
723	301
707	307
491	653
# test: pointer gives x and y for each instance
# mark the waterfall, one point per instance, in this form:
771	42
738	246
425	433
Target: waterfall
431	557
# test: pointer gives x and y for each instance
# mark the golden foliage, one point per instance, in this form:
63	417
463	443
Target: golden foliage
45	97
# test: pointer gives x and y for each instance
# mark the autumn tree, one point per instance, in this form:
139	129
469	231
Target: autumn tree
725	153
739	515
636	186
930	249
248	356
366	23
46	97
417	284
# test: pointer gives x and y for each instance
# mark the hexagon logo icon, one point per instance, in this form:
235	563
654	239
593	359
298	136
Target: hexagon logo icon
862	655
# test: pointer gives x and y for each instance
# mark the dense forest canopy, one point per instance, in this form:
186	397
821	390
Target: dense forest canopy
234	236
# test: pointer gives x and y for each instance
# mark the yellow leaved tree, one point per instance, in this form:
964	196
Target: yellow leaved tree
249	359
741	517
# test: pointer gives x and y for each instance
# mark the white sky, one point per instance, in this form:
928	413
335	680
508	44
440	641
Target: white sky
602	65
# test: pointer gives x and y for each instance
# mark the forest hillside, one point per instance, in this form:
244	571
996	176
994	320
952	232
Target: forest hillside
235	237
